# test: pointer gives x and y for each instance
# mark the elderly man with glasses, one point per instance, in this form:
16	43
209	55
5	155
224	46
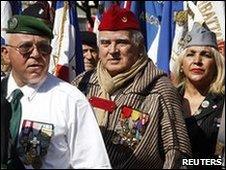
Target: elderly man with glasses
47	123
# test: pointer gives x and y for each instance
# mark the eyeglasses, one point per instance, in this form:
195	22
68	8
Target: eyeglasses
43	47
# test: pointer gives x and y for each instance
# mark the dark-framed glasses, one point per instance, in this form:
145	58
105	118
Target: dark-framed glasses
43	48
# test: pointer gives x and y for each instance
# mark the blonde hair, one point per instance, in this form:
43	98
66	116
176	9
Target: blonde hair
217	85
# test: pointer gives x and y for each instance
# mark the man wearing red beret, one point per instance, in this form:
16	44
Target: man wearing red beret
136	106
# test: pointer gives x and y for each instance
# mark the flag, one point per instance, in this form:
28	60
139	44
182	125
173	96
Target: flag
149	14
66	58
213	13
158	27
184	23
16	6
6	13
167	33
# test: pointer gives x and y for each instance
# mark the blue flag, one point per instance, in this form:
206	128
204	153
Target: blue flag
149	13
167	33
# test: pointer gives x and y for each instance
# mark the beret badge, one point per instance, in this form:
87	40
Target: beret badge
13	22
188	38
124	19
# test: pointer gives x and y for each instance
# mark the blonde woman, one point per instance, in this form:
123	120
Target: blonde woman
200	73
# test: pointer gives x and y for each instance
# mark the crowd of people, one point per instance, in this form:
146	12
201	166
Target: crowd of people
122	112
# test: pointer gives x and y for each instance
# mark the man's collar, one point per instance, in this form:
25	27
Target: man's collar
29	91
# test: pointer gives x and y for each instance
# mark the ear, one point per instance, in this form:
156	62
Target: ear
5	54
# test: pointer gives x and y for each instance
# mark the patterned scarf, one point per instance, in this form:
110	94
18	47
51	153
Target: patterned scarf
110	84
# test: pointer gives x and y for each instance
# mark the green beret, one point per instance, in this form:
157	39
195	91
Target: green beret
29	25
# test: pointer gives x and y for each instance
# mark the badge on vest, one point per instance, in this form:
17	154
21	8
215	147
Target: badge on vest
34	142
131	127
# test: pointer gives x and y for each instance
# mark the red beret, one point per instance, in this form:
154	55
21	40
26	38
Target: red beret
116	18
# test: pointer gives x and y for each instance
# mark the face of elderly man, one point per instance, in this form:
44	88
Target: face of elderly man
90	57
31	67
117	51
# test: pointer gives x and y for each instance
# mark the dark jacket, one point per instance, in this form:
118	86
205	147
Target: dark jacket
5	118
203	128
9	157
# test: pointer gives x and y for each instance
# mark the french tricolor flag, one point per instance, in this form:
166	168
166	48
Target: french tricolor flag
66	59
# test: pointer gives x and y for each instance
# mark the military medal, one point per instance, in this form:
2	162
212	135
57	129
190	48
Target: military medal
130	128
34	142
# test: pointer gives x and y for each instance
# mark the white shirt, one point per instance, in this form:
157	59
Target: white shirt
76	141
